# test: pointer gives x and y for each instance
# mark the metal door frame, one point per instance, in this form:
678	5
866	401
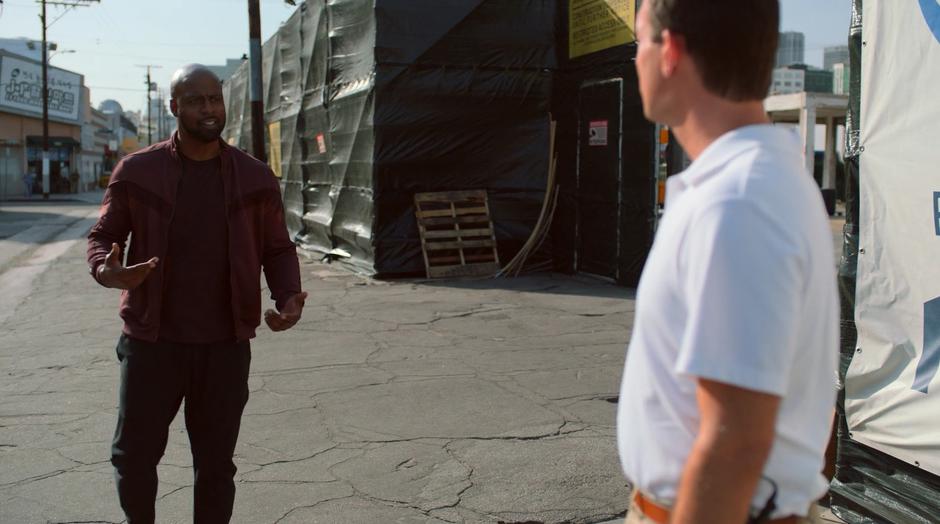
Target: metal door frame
577	178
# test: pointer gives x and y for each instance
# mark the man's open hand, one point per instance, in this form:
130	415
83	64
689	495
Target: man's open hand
113	274
289	314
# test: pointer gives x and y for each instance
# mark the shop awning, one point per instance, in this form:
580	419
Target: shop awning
54	141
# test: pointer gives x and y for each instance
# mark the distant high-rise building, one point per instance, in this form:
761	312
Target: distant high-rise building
797	78
790	48
840	79
815	80
837	54
787	81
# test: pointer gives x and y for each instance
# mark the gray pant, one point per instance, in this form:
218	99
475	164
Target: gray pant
155	379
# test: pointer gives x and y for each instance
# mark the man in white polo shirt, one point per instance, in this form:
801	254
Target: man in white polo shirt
729	384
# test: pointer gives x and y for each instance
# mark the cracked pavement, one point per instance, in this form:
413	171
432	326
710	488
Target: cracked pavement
392	401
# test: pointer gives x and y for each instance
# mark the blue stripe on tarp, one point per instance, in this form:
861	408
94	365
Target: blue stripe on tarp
930	357
936	212
931	10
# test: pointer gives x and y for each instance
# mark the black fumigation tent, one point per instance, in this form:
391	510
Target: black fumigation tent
368	102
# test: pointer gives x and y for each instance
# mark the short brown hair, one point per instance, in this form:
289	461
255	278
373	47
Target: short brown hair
732	42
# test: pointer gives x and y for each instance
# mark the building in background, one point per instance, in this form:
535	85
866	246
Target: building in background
456	96
837	54
25	47
157	124
840	79
122	128
786	80
21	135
790	48
95	136
796	78
224	72
815	80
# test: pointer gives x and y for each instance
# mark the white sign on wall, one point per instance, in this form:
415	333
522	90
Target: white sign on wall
597	133
21	89
893	384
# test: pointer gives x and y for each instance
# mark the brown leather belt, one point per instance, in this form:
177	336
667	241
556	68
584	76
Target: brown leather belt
660	514
652	510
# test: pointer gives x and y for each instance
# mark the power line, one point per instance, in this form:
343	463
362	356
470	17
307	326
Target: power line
63	13
188	45
73	3
135	89
142	57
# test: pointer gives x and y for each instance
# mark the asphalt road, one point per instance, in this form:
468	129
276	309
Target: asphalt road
405	401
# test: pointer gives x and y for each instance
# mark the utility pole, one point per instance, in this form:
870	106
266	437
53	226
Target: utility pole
45	107
149	106
160	114
46	183
162	124
257	88
149	89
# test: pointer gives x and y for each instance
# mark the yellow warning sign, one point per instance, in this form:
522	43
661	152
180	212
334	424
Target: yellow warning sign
594	25
274	156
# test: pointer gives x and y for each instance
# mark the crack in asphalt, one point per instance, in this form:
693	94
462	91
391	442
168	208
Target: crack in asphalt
263	465
310	506
36	478
85	522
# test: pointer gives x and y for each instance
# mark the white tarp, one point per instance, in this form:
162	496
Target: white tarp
893	386
21	89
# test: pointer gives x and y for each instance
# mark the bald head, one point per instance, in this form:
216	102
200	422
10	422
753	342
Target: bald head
197	102
189	72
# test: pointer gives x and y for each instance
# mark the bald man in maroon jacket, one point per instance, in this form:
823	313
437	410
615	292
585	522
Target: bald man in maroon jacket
204	220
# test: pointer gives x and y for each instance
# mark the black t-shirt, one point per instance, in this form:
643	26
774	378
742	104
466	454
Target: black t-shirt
197	297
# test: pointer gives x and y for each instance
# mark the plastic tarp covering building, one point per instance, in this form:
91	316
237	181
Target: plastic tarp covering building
370	101
889	436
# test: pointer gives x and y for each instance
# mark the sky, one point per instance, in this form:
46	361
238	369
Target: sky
824	22
112	39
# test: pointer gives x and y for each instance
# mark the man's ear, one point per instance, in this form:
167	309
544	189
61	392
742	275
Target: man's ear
672	51
173	108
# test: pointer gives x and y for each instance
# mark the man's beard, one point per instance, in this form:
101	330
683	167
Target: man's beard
202	134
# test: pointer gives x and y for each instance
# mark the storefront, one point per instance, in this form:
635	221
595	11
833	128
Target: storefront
21	125
63	163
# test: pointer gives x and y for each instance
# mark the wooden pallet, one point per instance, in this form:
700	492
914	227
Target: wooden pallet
457	236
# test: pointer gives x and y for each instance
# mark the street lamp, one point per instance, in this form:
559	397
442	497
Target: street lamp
60	52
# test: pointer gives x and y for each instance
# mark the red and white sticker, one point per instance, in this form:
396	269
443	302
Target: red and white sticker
321	143
597	133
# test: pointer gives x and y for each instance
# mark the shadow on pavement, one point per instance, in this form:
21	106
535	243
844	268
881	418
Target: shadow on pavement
550	283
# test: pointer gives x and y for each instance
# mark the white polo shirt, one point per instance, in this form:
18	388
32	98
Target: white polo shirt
739	288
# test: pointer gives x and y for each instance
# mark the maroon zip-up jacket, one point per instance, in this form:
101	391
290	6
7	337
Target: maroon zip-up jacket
140	200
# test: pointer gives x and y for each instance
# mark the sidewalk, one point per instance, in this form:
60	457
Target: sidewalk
88	197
